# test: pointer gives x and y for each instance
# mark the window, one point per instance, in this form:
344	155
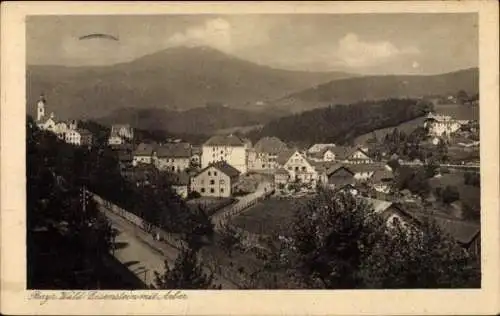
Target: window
209	173
202	190
263	166
290	168
212	182
296	168
221	182
303	168
212	190
221	190
202	181
213	148
215	173
221	152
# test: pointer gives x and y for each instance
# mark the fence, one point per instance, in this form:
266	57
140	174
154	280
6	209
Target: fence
169	238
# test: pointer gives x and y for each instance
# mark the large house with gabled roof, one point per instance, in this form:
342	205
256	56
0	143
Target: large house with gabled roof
228	148
264	154
216	180
173	157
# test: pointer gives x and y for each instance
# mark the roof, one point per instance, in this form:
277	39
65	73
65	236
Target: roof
174	150
366	167
325	166
343	152
223	167
379	175
83	131
181	178
224	140
318	147
144	149
271	145
462	231
196	150
337	167
379	206
285	155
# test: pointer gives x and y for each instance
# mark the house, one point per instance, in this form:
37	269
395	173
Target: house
179	182
298	167
263	156
340	176
466	234
442	125
281	177
143	154
216	180
79	137
228	148
346	154
381	180
325	154
120	134
319	147
364	172
174	157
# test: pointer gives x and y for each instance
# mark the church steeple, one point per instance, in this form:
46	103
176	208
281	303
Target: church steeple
40	108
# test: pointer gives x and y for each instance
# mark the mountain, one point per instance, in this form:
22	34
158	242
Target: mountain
176	78
351	90
203	120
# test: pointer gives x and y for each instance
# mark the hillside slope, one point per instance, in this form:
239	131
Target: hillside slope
176	78
351	90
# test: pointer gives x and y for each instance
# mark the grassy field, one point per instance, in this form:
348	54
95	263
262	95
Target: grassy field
406	127
273	215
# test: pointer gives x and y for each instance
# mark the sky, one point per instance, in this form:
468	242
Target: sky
359	43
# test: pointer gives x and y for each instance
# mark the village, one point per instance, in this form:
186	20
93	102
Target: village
254	186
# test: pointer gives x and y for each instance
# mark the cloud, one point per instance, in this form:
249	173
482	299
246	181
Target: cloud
215	32
353	52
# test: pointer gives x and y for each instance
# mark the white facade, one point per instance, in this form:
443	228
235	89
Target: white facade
440	125
116	140
143	159
300	169
235	156
78	138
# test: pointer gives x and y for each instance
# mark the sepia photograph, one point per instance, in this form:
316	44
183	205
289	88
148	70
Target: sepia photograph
253	151
332	151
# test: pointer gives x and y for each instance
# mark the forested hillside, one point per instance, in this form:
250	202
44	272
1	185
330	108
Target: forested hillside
343	123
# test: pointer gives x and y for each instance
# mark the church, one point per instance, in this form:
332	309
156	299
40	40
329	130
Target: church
66	131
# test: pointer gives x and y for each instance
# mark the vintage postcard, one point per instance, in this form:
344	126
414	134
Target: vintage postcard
315	158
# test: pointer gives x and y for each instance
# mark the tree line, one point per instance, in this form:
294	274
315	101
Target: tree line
343	123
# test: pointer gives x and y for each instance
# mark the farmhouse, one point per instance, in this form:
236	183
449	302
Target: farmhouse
442	125
216	180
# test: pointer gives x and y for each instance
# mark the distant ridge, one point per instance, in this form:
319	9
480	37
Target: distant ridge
351	90
177	78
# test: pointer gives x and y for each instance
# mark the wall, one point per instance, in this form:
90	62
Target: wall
137	221
167	163
202	181
236	156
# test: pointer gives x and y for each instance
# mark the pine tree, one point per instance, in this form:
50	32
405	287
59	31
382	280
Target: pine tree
187	273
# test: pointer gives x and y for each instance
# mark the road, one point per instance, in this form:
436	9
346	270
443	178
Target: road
221	217
141	254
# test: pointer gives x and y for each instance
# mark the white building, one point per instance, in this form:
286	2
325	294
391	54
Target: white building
60	128
143	154
78	137
120	134
228	148
439	125
263	156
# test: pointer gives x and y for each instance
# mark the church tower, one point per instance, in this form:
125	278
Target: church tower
40	108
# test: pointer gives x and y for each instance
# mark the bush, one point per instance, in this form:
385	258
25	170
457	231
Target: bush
450	194
194	195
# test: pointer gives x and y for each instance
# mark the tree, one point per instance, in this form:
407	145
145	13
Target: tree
230	238
462	97
422	256
186	273
338	241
